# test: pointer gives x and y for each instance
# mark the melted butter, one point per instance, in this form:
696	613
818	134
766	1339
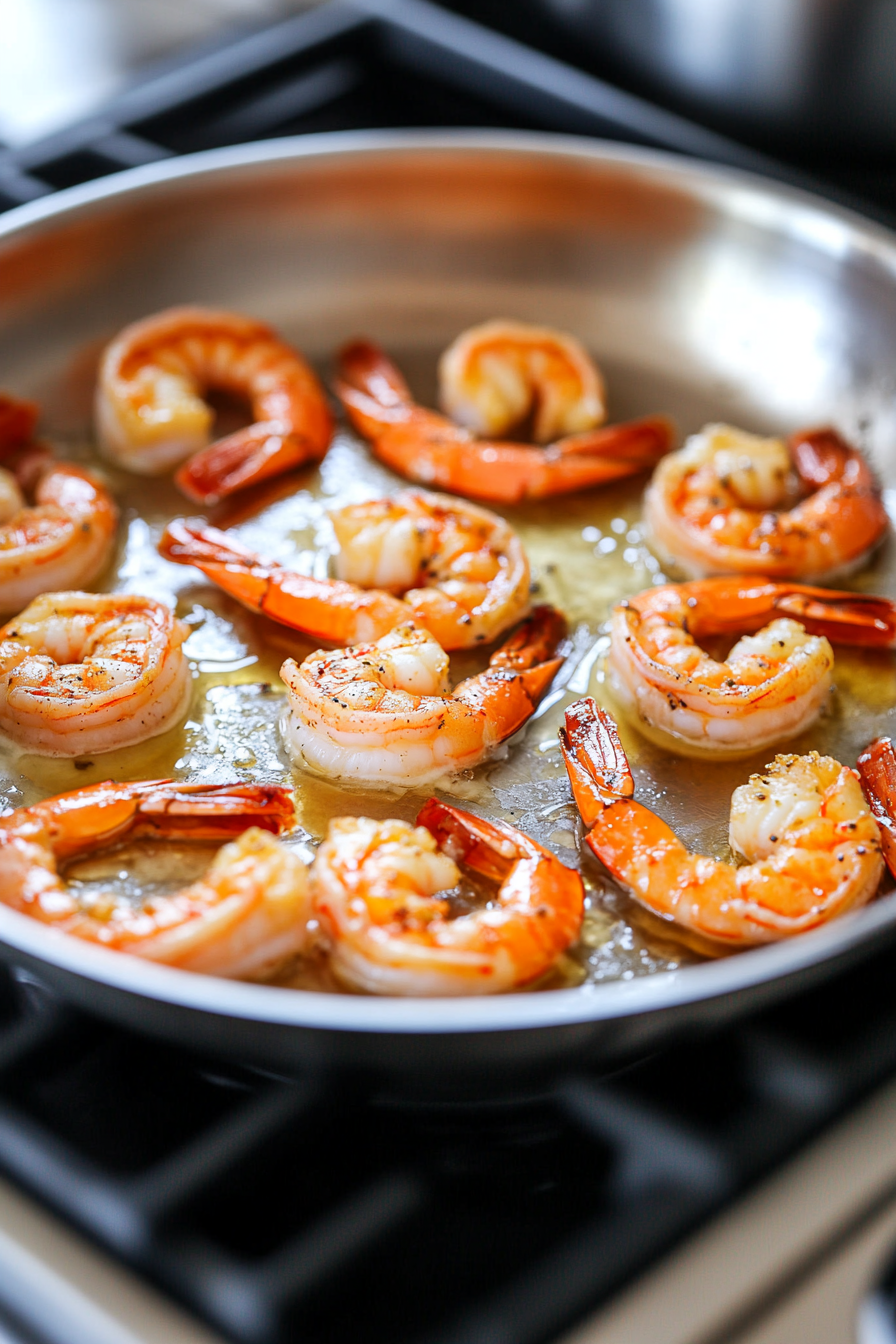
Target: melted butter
585	556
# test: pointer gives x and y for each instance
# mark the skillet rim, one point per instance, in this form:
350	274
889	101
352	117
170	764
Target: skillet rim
829	227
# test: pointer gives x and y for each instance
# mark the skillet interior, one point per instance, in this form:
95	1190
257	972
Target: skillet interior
701	292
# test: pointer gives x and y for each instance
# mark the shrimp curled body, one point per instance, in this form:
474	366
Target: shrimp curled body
458	571
380	890
244	917
734	503
62	540
82	673
773	683
383	712
427	447
811	843
150	412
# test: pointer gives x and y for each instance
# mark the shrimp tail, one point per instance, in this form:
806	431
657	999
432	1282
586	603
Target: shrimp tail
236	569
844	618
481	845
877	774
635	445
366	369
529	653
535	641
246	458
103	813
596	763
325	608
211	811
18	420
821	456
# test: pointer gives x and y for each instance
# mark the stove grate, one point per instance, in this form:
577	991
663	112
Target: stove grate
281	1209
355	64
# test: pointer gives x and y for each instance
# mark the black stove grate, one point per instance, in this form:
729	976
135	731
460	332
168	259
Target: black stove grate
370	63
285	1210
281	1210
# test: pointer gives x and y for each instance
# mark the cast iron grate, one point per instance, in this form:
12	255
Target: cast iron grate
285	1210
353	64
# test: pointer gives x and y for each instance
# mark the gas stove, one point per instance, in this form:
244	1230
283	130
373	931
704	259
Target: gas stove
343	1211
736	1187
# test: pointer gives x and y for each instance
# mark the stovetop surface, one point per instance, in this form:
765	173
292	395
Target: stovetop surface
338	1209
342	1209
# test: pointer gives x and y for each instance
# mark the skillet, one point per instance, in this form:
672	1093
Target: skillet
740	298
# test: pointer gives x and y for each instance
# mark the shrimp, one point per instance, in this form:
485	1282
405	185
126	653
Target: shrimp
82	673
494	377
381	892
729	503
244	917
812	846
63	540
877	772
460	571
383	713
18	420
150	414
430	448
772	685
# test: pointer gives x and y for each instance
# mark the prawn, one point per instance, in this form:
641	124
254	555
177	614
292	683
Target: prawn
458	571
432	449
18	421
812	846
245	916
381	891
729	503
82	673
62	540
383	713
877	771
773	683
150	413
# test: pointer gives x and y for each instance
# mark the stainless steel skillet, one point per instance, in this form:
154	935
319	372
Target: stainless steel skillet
735	297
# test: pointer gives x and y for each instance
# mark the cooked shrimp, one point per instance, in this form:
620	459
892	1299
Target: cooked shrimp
430	448
729	503
82	673
877	771
461	572
150	412
383	713
381	887
773	683
811	844
62	540
18	420
495	377
247	914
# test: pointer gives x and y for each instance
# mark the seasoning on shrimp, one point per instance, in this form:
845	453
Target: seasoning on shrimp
151	414
383	713
811	844
774	681
735	503
458	571
430	448
381	887
82	673
246	916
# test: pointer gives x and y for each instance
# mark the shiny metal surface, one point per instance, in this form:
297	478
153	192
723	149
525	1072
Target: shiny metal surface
727	297
813	73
